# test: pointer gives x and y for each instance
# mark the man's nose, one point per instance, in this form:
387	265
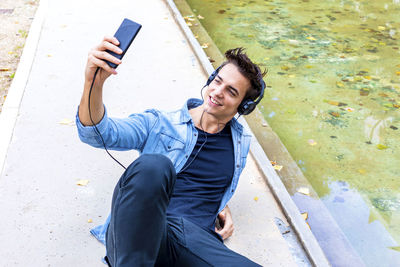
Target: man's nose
218	90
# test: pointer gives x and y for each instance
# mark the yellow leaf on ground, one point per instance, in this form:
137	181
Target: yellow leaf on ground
381	147
205	45
82	182
278	167
362	171
311	38
4	69
305	215
67	122
256	198
200	17
312	142
304	190
90	221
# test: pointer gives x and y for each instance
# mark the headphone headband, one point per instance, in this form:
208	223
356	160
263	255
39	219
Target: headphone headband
247	105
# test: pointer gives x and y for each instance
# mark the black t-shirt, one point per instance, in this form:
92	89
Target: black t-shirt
201	184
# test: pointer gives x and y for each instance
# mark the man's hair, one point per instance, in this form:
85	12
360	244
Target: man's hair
248	69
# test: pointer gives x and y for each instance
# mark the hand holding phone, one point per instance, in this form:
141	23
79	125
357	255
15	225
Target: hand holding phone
125	34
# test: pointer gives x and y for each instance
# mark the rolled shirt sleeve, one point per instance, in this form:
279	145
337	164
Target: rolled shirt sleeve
119	133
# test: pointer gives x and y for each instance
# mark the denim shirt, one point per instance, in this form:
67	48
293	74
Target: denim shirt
172	134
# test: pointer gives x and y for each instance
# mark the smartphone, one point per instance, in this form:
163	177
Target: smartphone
125	34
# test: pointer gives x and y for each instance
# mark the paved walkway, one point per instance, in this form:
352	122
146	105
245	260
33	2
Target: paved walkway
46	216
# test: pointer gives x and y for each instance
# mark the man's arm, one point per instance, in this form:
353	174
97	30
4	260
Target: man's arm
226	222
95	60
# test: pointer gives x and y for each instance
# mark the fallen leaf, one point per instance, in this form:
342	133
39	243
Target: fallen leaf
349	109
312	142
82	182
381	28
368	77
305	215
4	69
205	45
256	198
311	38
395	248
189	24
90	221
278	167
381	147
304	190
67	122
339	84
200	17
362	171
49	55
285	68
335	114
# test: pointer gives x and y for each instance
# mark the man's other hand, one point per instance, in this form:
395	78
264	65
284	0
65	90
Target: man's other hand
226	222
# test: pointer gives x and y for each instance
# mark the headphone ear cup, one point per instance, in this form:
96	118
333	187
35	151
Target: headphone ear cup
246	107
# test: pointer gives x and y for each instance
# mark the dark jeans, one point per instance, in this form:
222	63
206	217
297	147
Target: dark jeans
140	233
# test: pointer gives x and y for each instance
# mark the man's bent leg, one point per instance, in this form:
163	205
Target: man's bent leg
138	211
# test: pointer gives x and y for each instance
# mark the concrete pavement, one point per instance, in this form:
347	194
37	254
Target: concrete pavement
46	216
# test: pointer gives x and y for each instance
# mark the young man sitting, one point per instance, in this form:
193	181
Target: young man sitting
165	205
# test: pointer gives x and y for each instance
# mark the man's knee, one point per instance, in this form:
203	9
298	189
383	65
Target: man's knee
150	172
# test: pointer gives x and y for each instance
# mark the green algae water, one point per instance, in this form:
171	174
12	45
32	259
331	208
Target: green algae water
333	98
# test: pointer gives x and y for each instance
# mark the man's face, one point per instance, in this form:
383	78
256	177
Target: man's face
225	93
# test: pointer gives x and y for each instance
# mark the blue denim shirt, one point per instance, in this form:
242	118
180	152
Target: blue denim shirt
172	134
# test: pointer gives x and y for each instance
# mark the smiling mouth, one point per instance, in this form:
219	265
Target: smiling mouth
212	100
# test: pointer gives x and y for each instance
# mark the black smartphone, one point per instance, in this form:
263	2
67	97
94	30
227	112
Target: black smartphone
125	34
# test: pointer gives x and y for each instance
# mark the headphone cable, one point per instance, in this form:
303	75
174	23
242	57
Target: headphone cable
95	127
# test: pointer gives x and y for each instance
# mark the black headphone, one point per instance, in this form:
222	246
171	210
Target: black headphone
247	105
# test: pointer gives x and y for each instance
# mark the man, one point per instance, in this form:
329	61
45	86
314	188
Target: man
165	205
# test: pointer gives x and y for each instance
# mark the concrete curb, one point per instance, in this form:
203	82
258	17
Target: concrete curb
10	111
310	244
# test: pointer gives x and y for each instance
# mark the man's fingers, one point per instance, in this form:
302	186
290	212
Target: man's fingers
111	39
102	64
106	56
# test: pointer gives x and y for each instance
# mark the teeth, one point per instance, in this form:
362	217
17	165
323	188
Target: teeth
213	101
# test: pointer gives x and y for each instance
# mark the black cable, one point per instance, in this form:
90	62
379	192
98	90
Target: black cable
95	127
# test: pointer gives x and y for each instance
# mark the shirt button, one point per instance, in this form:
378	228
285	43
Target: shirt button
169	147
237	166
239	142
186	156
232	190
195	134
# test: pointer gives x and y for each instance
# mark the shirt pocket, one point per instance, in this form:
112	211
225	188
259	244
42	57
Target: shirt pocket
170	143
170	146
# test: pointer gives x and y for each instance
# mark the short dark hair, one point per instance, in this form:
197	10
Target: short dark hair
248	69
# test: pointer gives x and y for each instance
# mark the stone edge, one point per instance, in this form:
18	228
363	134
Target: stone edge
10	111
310	244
